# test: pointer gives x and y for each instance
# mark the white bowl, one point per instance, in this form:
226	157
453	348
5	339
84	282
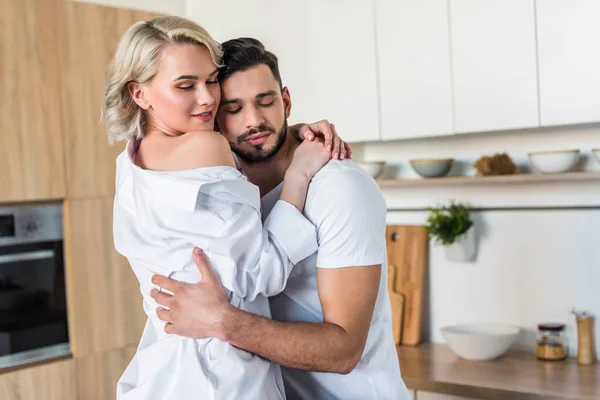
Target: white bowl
480	341
596	154
552	162
373	168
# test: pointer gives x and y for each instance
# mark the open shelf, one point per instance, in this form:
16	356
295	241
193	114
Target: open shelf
470	180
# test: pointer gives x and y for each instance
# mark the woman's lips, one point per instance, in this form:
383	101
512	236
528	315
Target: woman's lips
207	116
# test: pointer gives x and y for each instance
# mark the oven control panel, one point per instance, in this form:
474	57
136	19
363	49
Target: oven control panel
31	223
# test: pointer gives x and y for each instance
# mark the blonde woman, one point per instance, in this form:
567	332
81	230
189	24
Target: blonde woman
178	187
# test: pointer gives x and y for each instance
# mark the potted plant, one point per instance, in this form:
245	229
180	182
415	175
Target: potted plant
452	227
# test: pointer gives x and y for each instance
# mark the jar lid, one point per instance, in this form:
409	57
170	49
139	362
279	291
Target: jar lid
551	327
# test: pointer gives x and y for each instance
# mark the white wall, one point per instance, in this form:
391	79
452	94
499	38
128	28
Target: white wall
174	7
531	267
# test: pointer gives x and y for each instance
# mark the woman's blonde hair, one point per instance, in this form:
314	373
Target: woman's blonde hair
136	60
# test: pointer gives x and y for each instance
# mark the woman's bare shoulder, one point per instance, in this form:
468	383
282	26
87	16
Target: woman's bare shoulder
201	149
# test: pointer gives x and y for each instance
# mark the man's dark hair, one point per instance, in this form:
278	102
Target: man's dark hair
244	53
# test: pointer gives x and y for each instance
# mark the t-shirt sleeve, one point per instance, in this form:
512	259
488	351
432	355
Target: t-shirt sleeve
351	219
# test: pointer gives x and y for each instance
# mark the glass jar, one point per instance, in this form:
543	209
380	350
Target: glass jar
551	342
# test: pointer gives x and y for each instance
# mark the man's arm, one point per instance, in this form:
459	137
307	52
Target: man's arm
347	297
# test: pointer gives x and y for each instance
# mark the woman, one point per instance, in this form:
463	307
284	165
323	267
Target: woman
178	187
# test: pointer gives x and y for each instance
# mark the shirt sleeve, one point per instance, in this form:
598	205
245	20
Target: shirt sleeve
350	214
252	259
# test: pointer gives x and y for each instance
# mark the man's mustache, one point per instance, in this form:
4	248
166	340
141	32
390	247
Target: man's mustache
254	131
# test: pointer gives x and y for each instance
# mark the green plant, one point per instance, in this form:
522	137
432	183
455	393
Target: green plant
447	223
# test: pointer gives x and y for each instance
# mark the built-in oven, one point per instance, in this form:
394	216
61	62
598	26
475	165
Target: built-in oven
33	308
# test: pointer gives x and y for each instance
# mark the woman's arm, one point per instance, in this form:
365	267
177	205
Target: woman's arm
308	159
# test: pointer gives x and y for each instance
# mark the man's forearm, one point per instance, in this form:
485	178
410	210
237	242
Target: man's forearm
319	347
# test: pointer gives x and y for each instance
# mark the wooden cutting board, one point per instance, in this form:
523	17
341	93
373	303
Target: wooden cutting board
397	303
407	247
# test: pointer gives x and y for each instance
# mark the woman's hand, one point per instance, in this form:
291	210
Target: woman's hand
325	132
308	159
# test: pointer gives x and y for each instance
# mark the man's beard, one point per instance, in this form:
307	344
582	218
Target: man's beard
258	154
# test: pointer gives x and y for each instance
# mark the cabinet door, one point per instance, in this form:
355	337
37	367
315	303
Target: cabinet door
52	381
326	52
105	304
568	34
89	36
97	374
31	145
494	64
414	68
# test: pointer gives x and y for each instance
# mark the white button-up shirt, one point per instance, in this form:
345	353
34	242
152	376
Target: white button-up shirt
158	218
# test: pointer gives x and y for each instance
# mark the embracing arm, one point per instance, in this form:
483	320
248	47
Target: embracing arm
347	297
326	131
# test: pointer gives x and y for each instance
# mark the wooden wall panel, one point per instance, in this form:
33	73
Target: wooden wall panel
31	147
89	34
105	304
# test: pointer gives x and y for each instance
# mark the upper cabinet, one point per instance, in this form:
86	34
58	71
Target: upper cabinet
326	51
90	34
414	68
31	147
569	61
494	64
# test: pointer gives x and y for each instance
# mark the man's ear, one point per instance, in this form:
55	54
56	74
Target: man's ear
136	90
287	101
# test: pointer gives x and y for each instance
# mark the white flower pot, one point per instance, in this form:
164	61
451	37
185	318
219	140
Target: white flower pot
463	249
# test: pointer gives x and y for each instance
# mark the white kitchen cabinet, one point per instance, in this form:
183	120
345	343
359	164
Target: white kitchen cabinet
413	46
568	34
326	51
494	64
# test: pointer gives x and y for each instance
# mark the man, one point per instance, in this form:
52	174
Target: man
331	330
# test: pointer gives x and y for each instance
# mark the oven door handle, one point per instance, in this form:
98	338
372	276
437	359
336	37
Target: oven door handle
28	256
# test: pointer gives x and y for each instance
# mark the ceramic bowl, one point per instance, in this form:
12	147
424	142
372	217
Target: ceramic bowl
553	162
373	168
432	168
480	341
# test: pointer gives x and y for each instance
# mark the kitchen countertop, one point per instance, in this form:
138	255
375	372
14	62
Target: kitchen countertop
516	375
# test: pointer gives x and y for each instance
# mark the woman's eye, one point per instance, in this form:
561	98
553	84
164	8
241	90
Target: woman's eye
212	82
186	87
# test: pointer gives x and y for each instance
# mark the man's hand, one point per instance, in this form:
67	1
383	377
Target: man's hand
194	310
325	131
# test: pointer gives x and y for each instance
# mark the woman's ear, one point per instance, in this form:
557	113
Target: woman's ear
136	90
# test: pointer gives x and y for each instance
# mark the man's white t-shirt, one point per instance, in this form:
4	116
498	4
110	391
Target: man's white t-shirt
349	212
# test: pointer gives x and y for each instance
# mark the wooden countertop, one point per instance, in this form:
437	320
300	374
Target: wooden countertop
516	375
